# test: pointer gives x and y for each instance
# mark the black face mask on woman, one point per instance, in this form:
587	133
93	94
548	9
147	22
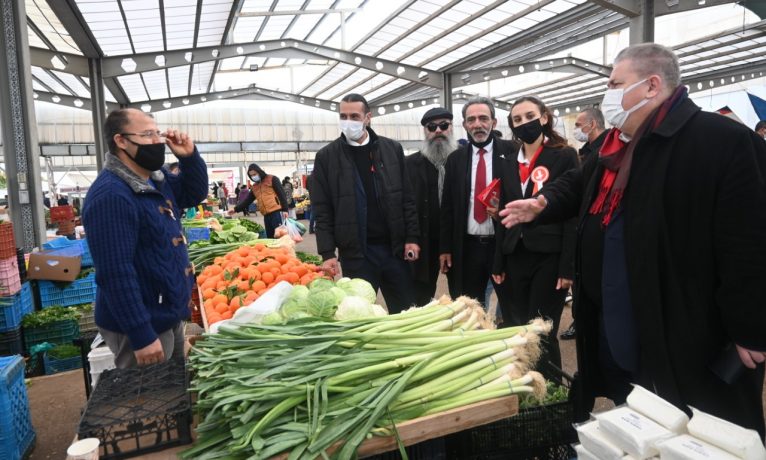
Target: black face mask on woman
149	156
529	131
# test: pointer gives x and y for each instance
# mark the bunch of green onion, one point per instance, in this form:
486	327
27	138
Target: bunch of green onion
319	389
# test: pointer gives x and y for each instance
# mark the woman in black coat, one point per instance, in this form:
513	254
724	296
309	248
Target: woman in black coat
538	260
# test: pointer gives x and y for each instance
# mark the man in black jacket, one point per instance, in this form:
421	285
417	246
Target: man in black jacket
426	173
671	259
589	128
364	207
467	239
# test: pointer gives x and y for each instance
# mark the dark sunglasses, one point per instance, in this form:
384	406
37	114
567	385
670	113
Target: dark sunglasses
442	126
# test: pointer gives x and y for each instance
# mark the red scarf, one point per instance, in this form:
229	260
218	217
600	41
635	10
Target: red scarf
617	157
525	170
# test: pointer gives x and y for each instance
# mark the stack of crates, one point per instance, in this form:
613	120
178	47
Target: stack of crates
12	310
16	434
77	292
14	303
10	282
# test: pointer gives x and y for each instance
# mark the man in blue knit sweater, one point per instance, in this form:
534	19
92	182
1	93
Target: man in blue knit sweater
132	218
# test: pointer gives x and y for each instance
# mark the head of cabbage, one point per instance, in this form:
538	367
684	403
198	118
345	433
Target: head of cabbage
322	304
360	288
355	307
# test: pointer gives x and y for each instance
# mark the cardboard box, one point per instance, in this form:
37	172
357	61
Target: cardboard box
45	266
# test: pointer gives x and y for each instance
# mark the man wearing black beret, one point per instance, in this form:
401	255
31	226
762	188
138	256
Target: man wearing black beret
426	172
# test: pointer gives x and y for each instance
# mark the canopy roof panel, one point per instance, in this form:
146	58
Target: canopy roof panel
393	52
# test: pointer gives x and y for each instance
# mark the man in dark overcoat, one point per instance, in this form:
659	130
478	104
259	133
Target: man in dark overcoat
467	238
425	169
671	255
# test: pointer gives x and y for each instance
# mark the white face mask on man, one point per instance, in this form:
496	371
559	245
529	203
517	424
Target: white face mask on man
579	135
611	105
352	129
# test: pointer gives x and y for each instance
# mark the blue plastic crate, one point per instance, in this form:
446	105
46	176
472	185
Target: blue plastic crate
16	433
63	246
76	292
54	366
14	307
11	343
58	333
194	234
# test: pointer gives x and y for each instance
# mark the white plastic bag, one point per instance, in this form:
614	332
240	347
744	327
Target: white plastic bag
633	432
293	231
597	443
657	409
741	442
687	447
584	454
265	304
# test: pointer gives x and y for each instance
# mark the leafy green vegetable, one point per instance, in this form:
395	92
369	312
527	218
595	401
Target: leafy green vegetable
232	232
299	292
358	287
273	318
309	258
355	307
320	284
555	393
322	304
64	351
251	226
50	315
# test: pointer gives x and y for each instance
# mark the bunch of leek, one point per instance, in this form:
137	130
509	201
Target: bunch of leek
315	388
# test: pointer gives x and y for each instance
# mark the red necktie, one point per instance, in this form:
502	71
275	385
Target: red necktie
479	210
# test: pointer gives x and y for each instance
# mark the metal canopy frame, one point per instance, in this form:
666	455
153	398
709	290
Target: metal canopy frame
417	53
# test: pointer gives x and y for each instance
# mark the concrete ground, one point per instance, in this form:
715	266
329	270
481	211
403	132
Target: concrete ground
56	401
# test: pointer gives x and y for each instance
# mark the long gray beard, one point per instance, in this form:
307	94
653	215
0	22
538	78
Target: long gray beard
436	153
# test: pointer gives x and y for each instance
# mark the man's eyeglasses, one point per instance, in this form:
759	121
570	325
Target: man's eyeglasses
442	126
146	134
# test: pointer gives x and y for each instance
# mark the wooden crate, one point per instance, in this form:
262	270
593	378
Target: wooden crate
438	425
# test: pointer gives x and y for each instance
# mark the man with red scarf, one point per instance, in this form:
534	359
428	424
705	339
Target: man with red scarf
671	259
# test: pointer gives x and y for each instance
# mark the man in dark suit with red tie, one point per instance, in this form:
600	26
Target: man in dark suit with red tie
467	240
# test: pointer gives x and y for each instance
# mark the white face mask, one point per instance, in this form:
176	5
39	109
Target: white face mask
353	130
612	105
579	135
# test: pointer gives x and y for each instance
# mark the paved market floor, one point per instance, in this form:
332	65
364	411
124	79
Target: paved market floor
57	401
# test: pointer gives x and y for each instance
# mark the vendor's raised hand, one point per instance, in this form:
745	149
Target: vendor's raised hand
180	143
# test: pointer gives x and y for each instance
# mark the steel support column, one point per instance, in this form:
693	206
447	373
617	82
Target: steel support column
446	92
642	26
19	128
98	109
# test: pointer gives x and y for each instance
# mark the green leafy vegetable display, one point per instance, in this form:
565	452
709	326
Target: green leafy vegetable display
50	315
64	351
233	232
555	393
309	258
251	226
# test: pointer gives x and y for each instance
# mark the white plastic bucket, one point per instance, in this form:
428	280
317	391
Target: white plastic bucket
84	449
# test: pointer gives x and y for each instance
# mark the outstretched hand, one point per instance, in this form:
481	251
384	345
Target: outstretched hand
521	211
